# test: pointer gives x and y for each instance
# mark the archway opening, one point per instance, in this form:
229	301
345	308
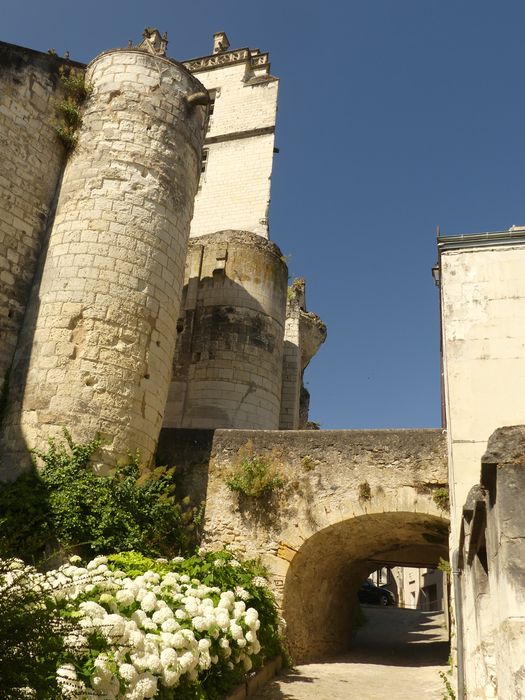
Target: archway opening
320	601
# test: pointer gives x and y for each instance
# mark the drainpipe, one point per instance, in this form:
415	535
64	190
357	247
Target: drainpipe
458	601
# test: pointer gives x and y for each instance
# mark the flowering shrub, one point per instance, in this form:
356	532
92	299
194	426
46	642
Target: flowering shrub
31	634
144	627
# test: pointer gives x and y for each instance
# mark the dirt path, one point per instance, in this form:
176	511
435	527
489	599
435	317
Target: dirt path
397	655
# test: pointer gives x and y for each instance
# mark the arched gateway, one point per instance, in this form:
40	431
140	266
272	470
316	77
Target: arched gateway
348	501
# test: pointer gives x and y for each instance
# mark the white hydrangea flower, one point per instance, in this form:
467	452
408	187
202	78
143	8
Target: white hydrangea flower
149	602
157	644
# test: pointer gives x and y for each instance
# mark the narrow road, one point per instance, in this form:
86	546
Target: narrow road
397	655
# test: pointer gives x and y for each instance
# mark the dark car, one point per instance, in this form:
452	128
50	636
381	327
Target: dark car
375	595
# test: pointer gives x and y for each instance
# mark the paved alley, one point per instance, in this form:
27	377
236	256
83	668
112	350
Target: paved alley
397	655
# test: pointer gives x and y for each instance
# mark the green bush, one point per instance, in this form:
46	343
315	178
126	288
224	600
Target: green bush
255	477
67	502
441	498
31	636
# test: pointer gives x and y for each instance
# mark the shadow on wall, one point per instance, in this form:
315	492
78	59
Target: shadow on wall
15	456
193	449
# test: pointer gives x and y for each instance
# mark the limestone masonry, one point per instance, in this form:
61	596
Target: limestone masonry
93	335
141	299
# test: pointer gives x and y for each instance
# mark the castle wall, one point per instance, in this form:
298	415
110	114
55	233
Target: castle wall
106	311
228	362
234	191
31	159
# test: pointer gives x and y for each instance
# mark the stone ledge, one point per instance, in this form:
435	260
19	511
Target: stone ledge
257	680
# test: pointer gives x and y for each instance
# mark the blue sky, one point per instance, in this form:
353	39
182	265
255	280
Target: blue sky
395	116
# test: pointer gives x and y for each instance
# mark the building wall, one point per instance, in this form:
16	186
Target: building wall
491	568
234	190
31	160
98	357
420	588
483	320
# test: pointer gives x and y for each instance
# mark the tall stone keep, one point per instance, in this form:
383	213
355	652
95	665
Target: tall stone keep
228	361
99	358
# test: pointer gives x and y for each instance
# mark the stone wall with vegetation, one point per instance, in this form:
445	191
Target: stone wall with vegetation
317	507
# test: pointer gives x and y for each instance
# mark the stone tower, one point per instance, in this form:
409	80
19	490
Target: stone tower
99	339
234	365
228	360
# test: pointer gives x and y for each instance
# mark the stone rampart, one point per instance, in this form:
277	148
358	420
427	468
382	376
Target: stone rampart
323	472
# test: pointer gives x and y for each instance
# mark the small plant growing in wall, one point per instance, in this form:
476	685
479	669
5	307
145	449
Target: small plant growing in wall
307	463
440	497
444	566
364	491
255	475
69	109
448	693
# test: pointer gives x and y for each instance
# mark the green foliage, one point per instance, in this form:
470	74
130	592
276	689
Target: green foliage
440	497
364	491
74	84
25	518
129	509
255	477
222	570
67	136
70	112
31	637
69	109
448	693
444	566
307	463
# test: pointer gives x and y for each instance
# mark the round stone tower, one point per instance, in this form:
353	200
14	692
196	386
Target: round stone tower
106	313
228	362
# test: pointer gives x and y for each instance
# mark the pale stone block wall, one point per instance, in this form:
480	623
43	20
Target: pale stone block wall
483	317
239	106
234	190
228	362
31	160
104	335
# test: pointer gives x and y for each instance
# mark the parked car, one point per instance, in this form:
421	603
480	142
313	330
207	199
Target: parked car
375	595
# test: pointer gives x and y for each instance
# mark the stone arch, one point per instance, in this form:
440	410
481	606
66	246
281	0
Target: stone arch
321	581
